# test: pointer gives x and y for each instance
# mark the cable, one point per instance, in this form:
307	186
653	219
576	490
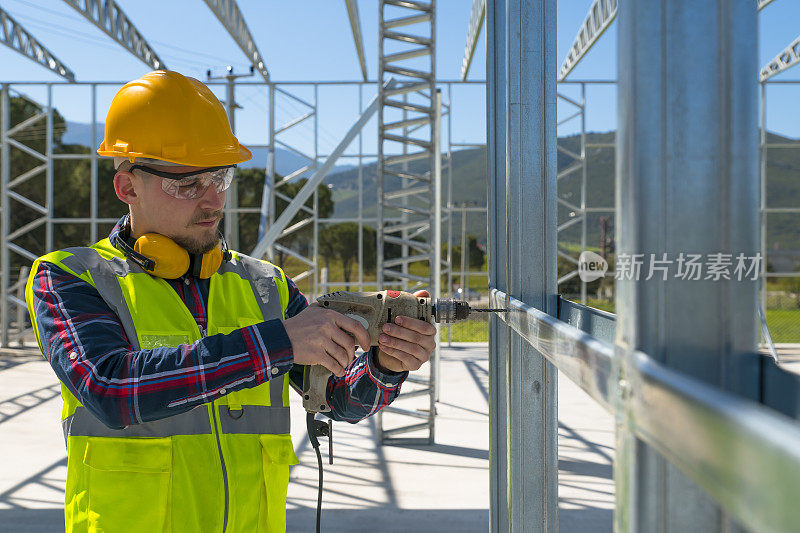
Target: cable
311	427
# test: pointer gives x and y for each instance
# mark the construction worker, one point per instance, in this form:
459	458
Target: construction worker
175	354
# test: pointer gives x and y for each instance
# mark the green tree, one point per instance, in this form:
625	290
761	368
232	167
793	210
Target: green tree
340	242
476	255
251	189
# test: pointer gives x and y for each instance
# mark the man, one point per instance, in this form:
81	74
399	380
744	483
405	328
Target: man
172	351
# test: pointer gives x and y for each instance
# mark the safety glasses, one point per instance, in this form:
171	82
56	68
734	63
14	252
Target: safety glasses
191	185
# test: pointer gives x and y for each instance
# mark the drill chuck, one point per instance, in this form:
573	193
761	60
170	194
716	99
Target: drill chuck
448	310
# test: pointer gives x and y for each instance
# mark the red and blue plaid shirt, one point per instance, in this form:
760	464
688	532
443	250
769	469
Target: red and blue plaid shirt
84	341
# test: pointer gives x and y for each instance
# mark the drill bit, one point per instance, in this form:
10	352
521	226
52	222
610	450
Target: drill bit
449	310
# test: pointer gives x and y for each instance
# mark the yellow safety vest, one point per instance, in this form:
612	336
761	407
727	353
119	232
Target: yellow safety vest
222	466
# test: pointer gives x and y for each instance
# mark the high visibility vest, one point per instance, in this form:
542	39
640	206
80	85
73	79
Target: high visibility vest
222	466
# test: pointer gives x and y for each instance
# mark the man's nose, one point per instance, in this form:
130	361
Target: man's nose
212	199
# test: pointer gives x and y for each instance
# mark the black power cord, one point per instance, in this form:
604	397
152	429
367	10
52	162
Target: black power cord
318	428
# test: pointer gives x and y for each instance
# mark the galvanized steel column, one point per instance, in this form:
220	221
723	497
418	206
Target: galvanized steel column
496	102
687	182
5	215
522	139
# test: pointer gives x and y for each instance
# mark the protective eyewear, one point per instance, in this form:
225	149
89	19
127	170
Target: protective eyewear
190	185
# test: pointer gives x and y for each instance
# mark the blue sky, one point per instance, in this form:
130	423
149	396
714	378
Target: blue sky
310	40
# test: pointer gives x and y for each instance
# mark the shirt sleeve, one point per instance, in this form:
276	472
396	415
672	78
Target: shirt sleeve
85	343
362	391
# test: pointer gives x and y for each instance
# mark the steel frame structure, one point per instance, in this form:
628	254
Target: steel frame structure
409	56
109	17
663	377
20	40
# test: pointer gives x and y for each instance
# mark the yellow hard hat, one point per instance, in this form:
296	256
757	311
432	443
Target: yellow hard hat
173	118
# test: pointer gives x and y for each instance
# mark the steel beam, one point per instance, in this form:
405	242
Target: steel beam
601	14
109	17
521	74
686	183
783	61
473	32
228	13
745	455
418	104
13	35
358	39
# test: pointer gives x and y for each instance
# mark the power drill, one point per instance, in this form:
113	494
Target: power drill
373	310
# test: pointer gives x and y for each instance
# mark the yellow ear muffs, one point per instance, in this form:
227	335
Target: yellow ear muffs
172	260
212	260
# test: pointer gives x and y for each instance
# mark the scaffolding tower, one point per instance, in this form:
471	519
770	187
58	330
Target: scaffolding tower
409	172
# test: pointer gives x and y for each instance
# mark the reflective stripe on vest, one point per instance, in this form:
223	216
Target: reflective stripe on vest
104	273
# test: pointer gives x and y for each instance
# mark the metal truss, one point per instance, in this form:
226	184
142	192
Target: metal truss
228	13
109	17
783	61
18	233
274	190
355	26
473	32
601	14
13	35
278	228
409	174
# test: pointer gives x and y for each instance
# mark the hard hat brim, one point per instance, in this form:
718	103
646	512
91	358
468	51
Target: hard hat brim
199	160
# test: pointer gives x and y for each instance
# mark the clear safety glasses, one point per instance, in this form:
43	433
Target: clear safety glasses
190	185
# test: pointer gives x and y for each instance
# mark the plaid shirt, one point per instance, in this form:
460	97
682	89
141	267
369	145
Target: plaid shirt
84	341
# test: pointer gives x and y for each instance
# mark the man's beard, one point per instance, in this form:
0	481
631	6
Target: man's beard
201	245
198	246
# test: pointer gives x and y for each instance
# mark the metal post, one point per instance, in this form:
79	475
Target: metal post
232	220
93	164
687	166
5	221
522	101
49	178
584	215
436	241
763	218
496	106
268	197
464	277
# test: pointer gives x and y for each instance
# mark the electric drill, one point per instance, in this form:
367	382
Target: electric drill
373	310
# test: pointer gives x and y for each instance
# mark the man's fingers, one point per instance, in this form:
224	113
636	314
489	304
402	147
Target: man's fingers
338	352
427	341
407	361
411	348
355	328
420	326
422	294
331	364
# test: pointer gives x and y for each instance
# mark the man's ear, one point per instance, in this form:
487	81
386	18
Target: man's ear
125	185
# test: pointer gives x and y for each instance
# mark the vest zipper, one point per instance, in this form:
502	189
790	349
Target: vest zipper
219	449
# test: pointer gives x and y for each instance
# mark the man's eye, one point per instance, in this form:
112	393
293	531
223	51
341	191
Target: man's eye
187	184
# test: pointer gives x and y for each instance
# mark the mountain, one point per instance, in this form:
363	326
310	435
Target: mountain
470	184
285	161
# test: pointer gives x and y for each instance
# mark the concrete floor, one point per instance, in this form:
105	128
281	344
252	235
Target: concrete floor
444	487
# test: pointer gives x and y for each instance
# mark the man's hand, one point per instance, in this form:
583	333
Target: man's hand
320	337
407	344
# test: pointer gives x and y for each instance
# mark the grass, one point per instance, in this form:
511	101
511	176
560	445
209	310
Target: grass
784	325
